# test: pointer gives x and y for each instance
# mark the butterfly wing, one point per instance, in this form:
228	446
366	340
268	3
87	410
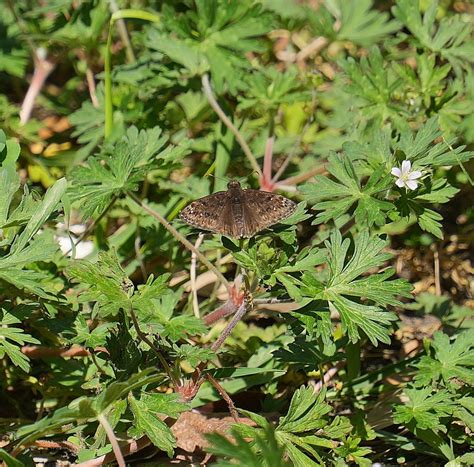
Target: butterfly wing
261	209
211	213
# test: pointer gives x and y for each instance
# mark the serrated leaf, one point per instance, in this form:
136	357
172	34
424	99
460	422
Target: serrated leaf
106	282
156	430
347	191
120	167
263	451
449	360
305	412
119	389
192	354
215	37
344	281
450	38
424	408
12	338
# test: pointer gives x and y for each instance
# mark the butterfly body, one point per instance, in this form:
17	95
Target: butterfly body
237	213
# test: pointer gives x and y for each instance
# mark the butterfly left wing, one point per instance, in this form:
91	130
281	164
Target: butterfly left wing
261	209
207	213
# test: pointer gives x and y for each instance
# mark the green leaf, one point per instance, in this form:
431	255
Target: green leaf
164	404
424	409
215	37
60	417
179	327
440	192
451	38
148	423
449	361
335	198
120	389
305	429
429	221
9	151
343	282
263	451
44	210
358	22
12	338
376	89
306	411
107	282
144	298
192	354
91	339
121	166
421	148
9	460
269	88
9	184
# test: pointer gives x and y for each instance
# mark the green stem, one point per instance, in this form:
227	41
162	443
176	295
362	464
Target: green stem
109	110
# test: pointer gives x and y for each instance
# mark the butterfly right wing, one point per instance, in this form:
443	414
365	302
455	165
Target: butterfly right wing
263	209
212	213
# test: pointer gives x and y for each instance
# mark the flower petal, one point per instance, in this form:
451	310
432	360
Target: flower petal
396	171
414	175
412	184
400	183
406	166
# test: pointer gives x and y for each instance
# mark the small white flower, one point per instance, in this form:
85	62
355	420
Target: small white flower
83	249
405	177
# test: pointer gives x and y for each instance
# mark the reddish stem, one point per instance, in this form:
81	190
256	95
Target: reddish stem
227	309
36	351
266	180
43	67
321	169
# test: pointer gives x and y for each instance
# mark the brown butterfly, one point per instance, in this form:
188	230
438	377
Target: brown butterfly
237	213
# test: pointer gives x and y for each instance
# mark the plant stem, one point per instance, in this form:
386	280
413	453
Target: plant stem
109	109
267	164
112	438
206	85
303	176
180	238
225	310
150	344
122	29
91	87
225	396
292	153
192	277
43	67
228	329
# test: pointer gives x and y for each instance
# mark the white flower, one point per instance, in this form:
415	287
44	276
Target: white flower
83	249
405	177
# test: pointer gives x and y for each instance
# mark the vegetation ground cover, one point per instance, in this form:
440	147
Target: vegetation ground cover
341	335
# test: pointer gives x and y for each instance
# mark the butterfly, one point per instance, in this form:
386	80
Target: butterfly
237	213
